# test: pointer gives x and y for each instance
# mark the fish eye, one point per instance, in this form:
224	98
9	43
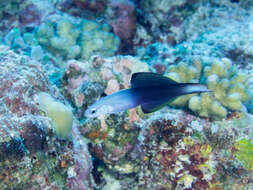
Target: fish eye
93	111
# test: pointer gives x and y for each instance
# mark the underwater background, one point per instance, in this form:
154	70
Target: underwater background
57	57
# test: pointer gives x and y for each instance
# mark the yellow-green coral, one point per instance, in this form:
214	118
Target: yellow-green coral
244	153
60	114
205	105
228	85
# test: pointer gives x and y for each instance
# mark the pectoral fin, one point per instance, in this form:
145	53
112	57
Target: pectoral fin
154	106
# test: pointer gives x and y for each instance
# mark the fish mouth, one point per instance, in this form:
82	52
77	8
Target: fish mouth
87	114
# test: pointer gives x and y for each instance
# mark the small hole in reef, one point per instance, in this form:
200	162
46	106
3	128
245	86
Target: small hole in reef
234	1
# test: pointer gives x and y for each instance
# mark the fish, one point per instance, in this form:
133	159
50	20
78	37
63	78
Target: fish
150	91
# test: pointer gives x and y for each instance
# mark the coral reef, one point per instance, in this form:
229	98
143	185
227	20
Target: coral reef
23	14
222	29
62	37
120	15
65	60
221	22
158	56
31	154
177	160
171	150
177	154
230	140
232	88
161	20
30	16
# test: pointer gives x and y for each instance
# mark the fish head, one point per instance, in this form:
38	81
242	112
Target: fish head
96	110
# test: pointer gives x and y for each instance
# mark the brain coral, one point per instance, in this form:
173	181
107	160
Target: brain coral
229	87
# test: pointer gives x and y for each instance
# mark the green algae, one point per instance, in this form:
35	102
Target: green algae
244	153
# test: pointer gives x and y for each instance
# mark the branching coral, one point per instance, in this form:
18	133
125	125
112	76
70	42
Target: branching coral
229	87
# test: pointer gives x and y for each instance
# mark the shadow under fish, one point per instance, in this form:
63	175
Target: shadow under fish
151	91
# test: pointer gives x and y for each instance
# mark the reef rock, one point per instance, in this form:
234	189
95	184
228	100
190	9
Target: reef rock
31	154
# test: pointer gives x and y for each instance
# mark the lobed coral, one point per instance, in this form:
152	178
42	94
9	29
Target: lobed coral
65	39
228	85
82	39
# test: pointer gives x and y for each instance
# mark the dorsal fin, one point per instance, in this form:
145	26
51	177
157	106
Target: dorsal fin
145	79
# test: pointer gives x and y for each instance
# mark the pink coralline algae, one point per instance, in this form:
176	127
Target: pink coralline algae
123	22
29	149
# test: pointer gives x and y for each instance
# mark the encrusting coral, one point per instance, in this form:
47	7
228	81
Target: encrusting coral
228	85
59	113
